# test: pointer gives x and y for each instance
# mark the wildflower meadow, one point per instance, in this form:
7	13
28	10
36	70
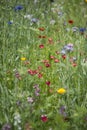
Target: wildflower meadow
43	65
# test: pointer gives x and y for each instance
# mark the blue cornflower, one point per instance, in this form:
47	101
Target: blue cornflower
82	30
18	7
10	22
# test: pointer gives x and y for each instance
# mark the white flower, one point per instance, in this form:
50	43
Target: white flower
28	16
52	22
74	29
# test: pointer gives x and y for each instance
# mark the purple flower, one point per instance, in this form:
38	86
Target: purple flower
18	103
37	93
68	47
18	7
34	20
6	127
37	90
62	111
36	86
63	52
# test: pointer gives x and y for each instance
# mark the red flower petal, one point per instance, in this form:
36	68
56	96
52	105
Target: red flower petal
40	75
64	56
44	118
56	60
70	21
47	65
41	29
74	64
48	83
52	57
40	36
41	46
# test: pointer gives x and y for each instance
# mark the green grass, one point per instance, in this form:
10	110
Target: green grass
21	39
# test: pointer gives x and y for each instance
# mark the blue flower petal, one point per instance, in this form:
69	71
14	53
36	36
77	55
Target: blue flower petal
18	7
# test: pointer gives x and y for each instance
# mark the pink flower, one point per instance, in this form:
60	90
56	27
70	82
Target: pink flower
56	60
32	72
44	118
74	64
47	65
40	75
64	56
41	46
52	57
48	83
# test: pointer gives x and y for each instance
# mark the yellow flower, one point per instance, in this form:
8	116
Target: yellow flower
85	0
61	91
23	58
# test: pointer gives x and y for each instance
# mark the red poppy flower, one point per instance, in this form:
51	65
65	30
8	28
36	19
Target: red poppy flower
32	72
56	60
41	29
44	118
48	83
47	65
40	36
52	57
40	75
70	21
64	56
44	36
74	64
35	72
41	46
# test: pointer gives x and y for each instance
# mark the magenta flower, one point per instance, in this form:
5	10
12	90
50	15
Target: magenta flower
44	118
48	83
41	46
